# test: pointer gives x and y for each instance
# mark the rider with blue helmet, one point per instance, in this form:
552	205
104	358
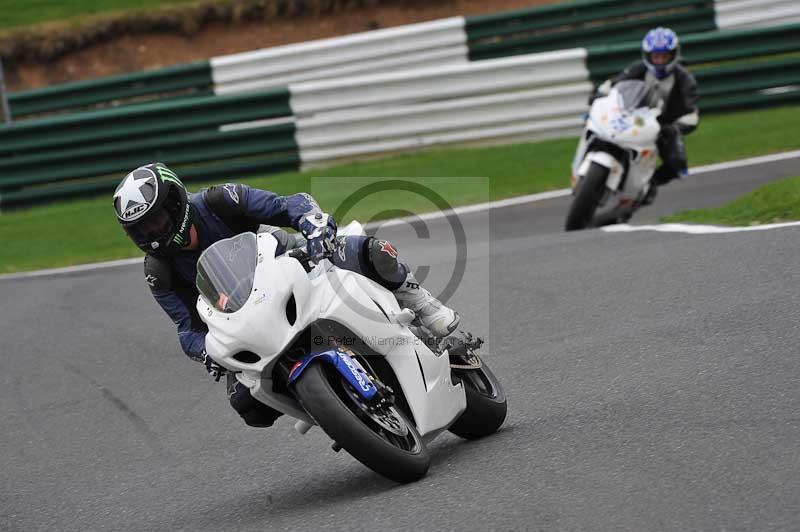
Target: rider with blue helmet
661	66
660	51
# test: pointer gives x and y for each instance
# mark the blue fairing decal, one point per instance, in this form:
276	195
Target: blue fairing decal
350	369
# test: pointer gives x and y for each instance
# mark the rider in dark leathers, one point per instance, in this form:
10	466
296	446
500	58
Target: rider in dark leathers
173	227
661	66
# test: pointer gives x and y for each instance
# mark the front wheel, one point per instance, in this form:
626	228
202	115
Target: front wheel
590	191
486	403
381	438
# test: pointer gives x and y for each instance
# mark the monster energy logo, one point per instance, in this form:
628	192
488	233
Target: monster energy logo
168	175
178	238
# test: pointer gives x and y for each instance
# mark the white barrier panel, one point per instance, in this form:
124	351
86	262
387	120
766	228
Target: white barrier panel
537	113
357	68
440	83
542	129
756	13
411	46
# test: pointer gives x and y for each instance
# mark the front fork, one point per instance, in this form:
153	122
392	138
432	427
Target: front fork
368	387
374	394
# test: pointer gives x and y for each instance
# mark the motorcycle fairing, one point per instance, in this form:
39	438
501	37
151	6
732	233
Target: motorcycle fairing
262	327
633	133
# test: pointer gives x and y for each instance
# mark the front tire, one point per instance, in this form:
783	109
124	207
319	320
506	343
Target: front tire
335	406
590	192
486	403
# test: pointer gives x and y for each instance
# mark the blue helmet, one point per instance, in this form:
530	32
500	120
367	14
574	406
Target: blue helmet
661	40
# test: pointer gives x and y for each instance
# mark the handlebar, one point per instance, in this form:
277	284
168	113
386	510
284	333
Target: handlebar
301	254
330	244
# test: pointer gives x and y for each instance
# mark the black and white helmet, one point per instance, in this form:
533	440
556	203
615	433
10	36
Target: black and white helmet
153	207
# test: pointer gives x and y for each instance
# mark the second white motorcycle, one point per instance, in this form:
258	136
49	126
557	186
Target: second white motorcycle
616	156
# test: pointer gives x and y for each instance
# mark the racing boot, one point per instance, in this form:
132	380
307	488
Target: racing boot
432	314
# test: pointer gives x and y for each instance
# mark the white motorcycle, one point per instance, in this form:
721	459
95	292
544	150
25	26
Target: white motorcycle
616	156
332	348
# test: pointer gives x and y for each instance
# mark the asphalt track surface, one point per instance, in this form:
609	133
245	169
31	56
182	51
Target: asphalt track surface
652	382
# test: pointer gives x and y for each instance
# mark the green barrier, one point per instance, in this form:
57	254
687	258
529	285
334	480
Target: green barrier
754	71
748	77
606	61
146	120
45	194
750	84
86	153
764	98
103	159
581	23
190	79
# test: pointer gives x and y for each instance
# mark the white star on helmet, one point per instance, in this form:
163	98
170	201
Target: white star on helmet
130	192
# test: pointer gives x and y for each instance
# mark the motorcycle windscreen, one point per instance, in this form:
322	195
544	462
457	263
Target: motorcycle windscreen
634	94
226	270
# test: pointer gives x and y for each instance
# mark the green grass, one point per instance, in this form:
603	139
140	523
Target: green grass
772	203
18	13
83	231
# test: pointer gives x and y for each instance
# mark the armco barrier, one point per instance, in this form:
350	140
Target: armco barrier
563	25
446	82
732	14
186	80
756	84
529	96
316	122
604	61
251	166
516	97
102	159
139	121
529	114
36	154
763	76
581	23
403	47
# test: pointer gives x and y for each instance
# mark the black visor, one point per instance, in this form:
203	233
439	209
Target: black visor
159	226
155	228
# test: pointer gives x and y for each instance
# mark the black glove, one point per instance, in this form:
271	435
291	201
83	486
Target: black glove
215	370
320	232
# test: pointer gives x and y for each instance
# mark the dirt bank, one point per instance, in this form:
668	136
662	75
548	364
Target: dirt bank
133	53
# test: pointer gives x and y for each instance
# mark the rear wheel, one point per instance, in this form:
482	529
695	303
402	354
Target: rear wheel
486	402
381	438
590	191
